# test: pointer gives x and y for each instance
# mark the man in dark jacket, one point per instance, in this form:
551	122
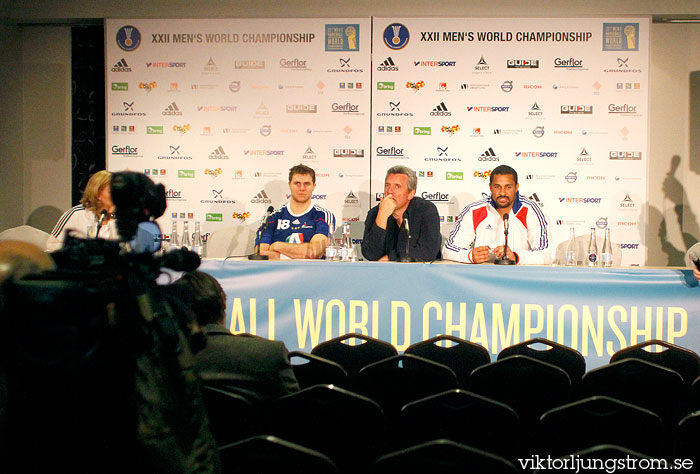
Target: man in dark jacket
247	365
402	222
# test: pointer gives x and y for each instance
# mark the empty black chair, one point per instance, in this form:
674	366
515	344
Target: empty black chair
596	459
354	357
683	361
443	456
687	439
527	385
231	416
343	425
566	358
601	420
640	383
395	381
270	455
311	370
463	417
459	355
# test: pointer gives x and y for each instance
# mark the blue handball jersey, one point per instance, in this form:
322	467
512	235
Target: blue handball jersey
284	226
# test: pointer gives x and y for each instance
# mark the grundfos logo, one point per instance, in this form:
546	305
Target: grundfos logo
174	154
345	67
623	66
395	108
128	111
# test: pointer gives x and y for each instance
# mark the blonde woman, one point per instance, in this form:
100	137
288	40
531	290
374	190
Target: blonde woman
83	218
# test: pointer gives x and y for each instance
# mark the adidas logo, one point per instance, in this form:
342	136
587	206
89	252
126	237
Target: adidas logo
261	198
172	109
121	66
218	154
441	110
387	65
488	227
296	222
489	155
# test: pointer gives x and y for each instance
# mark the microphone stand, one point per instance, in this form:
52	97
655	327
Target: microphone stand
256	255
505	260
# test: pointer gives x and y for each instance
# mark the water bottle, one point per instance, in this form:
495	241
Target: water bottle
197	244
592	250
186	244
347	250
570	257
607	256
174	243
331	247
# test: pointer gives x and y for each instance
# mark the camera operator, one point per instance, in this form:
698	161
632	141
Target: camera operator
95	211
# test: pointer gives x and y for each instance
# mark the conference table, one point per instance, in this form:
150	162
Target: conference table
597	311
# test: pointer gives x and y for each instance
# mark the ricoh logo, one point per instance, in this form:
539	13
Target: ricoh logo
302	108
435	197
392	152
348	153
296	63
571	63
577	109
523	63
626	155
387	65
347	108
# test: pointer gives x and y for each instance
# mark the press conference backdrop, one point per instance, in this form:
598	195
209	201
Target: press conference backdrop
219	110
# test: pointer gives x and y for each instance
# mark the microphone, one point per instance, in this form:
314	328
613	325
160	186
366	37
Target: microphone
263	226
695	258
103	214
407	228
505	260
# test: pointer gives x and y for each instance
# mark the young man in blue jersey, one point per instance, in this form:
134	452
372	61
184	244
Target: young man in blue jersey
478	235
299	229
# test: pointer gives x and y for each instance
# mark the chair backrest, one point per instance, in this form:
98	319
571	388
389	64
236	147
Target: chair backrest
343	425
231	241
271	455
311	370
566	358
459	355
231	416
26	233
395	381
640	383
687	438
443	456
354	357
601	420
527	385
683	361
460	416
